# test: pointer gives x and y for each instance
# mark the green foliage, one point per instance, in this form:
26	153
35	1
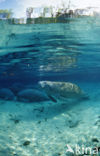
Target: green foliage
8	12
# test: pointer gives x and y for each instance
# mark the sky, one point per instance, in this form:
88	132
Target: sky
19	6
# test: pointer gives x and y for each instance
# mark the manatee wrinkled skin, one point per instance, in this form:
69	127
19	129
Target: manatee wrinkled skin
62	89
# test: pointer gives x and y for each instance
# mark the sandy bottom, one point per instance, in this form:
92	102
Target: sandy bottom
44	129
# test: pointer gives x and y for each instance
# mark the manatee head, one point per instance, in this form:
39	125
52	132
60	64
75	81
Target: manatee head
46	86
42	84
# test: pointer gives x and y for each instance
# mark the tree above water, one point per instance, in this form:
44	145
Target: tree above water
8	13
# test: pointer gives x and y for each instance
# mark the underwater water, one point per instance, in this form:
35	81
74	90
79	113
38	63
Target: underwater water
34	122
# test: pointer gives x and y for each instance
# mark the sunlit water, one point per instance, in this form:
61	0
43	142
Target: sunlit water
30	53
50	50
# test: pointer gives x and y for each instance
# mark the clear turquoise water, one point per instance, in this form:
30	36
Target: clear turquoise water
56	52
66	51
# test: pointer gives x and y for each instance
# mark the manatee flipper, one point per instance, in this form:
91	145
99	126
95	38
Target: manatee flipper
52	98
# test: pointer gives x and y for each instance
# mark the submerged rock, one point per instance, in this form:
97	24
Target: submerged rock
26	143
6	94
95	140
32	95
61	89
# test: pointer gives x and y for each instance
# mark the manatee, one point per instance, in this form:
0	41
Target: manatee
6	94
58	90
32	95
